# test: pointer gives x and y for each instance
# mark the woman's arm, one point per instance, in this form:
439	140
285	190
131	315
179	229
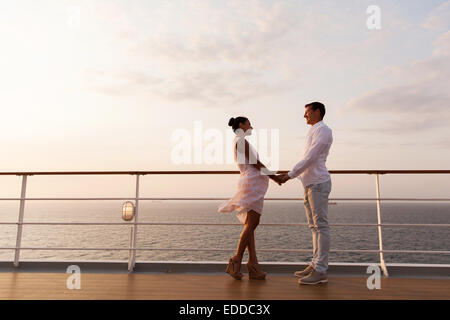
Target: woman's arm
259	165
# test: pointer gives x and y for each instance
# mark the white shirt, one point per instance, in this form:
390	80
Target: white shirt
311	169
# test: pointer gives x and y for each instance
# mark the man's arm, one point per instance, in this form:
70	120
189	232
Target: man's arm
320	142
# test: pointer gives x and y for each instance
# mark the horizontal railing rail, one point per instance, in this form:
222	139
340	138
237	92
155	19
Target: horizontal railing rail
233	224
225	250
133	247
60	173
225	198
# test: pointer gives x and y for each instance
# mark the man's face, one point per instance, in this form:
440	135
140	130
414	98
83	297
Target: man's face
311	116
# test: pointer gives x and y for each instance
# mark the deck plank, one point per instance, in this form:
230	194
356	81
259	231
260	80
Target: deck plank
111	286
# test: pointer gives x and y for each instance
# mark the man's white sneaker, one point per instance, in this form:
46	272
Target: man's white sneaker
314	278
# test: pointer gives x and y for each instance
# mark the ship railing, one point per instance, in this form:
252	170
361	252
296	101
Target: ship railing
133	248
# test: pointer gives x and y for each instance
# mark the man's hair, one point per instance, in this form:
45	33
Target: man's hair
317	105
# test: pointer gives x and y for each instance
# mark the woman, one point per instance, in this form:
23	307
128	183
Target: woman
248	200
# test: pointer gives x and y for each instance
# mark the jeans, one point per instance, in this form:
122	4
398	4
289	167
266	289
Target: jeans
316	206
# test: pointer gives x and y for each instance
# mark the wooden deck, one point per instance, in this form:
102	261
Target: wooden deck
161	286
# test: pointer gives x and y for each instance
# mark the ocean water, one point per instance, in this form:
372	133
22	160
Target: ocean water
223	237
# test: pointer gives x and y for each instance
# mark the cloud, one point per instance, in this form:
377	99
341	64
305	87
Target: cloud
442	50
119	83
213	56
438	19
417	97
220	53
243	33
208	88
406	126
441	144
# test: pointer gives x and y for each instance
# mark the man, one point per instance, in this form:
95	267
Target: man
314	175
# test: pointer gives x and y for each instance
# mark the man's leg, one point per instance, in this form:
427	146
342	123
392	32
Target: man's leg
309	218
318	203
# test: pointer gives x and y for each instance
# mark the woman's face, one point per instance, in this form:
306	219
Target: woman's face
245	126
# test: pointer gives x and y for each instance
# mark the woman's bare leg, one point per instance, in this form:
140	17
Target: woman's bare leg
251	248
247	236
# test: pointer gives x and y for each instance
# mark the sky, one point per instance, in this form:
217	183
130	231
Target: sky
103	85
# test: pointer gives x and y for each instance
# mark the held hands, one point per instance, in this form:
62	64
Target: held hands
284	177
276	179
281	178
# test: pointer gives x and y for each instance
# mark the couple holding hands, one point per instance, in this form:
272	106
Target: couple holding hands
252	186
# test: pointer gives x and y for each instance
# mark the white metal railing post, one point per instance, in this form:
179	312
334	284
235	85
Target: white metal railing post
20	221
380	237
132	254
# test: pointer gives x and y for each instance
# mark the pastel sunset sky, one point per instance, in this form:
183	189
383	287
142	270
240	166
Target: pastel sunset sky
103	85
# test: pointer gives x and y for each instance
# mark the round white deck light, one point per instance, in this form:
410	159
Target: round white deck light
128	211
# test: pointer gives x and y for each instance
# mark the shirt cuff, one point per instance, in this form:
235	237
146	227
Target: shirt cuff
291	175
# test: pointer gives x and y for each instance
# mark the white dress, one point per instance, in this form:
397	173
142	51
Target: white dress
252	187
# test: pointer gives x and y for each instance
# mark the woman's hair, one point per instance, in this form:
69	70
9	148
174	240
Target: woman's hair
234	122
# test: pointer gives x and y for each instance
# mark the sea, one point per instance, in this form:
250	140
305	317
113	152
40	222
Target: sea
180	238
